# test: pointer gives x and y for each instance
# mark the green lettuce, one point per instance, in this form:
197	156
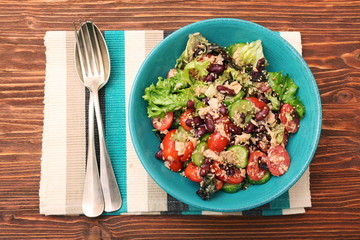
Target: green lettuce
246	54
172	93
163	97
196	42
286	89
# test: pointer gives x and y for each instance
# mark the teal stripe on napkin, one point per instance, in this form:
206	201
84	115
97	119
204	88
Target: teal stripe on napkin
116	112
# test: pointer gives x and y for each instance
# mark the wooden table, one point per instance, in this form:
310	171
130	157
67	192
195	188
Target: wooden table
331	46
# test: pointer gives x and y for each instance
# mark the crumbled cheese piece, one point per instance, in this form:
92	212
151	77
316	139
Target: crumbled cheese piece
220	127
236	86
172	73
180	147
272	134
270	118
242	139
254	122
243	172
203	111
211	154
200	90
228	157
164	132
214	104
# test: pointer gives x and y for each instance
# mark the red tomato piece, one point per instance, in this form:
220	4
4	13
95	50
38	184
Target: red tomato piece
219	184
278	160
192	172
189	113
217	142
236	178
220	173
189	148
289	118
164	123
168	146
175	165
253	170
257	103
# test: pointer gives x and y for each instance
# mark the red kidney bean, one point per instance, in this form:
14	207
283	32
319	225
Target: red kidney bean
159	154
190	122
190	104
263	146
262	113
204	170
223	110
230	171
216	68
225	90
234	129
197	121
209	78
205	100
201	130
209	122
249	128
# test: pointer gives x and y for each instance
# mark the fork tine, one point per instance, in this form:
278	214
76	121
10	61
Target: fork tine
90	41
98	55
79	47
86	46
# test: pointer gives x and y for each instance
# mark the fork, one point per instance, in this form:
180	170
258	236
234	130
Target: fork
100	193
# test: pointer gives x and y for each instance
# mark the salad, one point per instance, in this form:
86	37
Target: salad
222	119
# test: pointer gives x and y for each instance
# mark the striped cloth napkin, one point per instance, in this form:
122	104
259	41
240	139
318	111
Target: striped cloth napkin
65	133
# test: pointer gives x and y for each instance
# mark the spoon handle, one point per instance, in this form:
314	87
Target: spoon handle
93	201
111	192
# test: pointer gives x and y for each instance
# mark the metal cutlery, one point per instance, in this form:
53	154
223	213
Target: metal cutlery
93	66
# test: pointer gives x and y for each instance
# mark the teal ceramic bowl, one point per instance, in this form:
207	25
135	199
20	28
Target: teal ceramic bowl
281	57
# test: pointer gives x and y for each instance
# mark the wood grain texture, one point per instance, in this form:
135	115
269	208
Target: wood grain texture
331	46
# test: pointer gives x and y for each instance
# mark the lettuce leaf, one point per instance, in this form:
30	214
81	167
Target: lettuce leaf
286	89
171	94
246	54
196	43
163	97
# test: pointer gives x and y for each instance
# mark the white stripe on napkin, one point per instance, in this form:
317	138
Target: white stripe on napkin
63	143
143	194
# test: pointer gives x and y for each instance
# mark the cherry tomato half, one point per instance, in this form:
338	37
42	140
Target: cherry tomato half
218	184
278	160
189	113
253	170
175	165
257	103
189	148
220	173
217	142
289	118
192	172
164	123
168	146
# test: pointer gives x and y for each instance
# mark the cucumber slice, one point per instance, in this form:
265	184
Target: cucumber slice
205	137
229	100
241	106
198	155
265	178
242	155
232	188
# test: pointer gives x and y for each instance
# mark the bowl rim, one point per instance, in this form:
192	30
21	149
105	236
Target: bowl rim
178	32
